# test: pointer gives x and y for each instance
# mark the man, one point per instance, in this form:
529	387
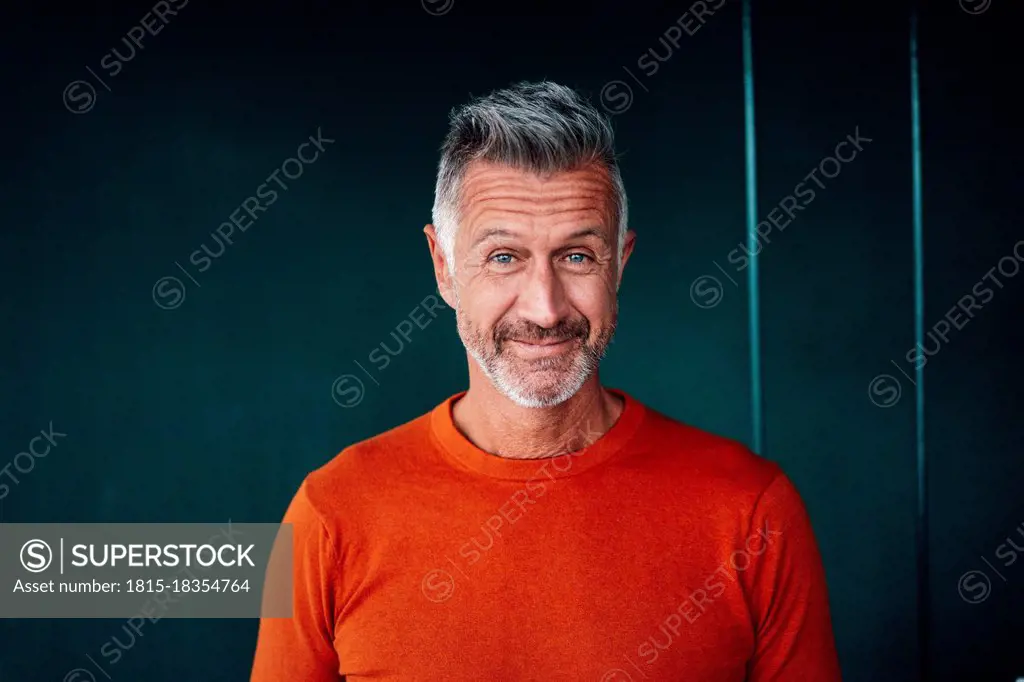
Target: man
539	526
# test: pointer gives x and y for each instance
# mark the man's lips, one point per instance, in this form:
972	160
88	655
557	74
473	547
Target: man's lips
542	342
541	348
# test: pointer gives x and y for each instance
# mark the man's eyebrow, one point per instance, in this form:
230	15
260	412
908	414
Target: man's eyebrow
589	232
502	232
492	232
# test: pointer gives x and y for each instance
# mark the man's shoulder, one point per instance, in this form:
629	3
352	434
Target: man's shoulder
372	462
715	458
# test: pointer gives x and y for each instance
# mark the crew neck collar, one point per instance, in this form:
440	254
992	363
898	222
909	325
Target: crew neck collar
465	453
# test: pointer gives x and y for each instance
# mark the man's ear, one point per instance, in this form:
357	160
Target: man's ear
442	274
627	249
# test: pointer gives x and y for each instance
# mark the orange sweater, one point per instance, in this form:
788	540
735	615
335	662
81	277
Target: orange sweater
659	552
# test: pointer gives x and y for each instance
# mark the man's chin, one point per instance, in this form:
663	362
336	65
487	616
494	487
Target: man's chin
551	370
538	385
528	396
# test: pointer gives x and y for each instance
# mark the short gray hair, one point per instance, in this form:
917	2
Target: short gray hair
541	127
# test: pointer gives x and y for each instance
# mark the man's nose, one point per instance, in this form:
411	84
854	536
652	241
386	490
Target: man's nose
542	299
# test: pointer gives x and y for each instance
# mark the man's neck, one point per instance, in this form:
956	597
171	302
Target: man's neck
496	424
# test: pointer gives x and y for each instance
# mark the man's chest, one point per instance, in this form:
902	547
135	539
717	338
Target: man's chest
559	589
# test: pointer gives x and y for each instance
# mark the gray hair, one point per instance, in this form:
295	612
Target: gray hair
541	127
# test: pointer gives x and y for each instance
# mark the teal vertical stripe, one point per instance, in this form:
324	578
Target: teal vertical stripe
756	395
923	607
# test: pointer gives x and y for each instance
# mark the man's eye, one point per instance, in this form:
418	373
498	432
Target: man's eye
502	258
579	258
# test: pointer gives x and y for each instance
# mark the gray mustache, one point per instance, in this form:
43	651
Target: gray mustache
536	334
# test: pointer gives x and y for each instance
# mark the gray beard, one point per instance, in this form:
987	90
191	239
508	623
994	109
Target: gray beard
504	376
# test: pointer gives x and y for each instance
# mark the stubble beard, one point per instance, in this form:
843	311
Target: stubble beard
535	382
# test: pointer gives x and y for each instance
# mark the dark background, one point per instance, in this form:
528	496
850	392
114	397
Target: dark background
215	409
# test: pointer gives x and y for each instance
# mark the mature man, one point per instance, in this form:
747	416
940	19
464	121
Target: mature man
539	526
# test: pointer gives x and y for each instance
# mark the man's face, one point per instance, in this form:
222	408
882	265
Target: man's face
536	278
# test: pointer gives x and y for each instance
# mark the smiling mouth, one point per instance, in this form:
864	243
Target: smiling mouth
542	342
542	348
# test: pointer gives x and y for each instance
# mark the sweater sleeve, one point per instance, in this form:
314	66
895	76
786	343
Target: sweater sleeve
302	647
787	592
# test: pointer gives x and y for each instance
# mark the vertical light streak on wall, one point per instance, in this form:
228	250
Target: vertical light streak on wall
923	610
756	395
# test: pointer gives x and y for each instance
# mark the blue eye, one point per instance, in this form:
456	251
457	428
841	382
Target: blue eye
502	256
580	258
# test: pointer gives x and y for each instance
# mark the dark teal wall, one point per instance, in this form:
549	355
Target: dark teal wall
217	408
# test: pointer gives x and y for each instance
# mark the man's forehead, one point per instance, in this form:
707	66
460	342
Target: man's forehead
490	189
